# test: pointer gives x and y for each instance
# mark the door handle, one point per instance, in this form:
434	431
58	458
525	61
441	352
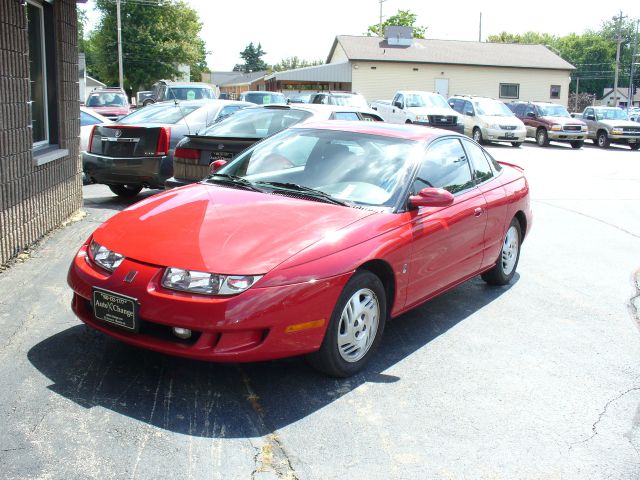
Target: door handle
477	212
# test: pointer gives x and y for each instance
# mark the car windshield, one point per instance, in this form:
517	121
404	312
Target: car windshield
349	101
167	112
425	100
611	114
492	108
369	170
553	111
189	93
265	98
107	99
256	123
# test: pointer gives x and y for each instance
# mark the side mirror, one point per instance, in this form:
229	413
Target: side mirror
469	113
531	115
431	197
398	105
217	165
590	117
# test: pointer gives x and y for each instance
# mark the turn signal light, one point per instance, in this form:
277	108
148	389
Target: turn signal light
93	131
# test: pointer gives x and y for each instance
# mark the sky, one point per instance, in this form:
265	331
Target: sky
288	28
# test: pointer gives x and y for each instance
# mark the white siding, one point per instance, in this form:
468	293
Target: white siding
387	77
339	55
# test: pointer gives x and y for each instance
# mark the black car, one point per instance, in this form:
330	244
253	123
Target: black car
197	154
137	151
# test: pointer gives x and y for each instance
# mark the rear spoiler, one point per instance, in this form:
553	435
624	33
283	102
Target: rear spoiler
512	165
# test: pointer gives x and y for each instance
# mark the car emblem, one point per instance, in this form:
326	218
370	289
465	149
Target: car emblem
130	276
220	146
118	133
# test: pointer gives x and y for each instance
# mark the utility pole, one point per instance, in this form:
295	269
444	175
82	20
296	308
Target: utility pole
633	63
120	76
480	29
380	32
618	42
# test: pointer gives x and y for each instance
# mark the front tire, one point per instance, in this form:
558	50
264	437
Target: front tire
355	328
516	144
125	191
634	146
603	140
577	144
542	138
505	268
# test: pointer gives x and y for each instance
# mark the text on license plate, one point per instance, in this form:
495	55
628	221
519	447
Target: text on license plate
116	309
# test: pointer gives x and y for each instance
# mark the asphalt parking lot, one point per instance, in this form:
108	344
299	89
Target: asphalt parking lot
537	380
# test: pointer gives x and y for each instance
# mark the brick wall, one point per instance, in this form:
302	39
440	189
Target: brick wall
35	199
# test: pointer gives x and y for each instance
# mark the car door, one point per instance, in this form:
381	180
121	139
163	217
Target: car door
469	118
447	241
497	209
397	112
530	121
588	116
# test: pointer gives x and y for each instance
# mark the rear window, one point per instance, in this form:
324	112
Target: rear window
264	98
256	123
170	113
107	99
189	93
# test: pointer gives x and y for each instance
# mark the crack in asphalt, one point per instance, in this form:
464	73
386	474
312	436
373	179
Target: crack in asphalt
271	456
617	227
634	301
594	427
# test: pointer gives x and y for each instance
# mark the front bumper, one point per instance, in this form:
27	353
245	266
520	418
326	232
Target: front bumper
624	139
251	326
459	128
499	135
148	171
562	136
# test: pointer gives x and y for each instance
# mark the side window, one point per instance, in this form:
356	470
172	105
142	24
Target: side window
468	108
400	99
588	111
445	165
530	109
479	164
455	104
520	110
494	163
86	119
345	116
228	110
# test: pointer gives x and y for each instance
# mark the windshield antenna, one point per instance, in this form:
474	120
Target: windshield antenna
177	104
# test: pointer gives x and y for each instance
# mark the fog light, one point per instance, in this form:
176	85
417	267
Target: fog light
183	333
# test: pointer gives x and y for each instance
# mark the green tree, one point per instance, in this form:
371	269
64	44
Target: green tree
252	56
155	40
404	18
82	22
291	63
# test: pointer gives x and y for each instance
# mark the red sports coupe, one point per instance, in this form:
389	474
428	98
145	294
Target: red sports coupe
305	243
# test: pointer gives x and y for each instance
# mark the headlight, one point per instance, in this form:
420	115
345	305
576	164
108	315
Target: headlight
104	257
583	128
207	283
460	121
494	126
556	128
617	131
422	118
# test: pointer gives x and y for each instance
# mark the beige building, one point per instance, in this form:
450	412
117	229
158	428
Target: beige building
377	67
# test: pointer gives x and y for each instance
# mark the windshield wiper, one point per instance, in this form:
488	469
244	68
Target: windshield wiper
234	180
294	187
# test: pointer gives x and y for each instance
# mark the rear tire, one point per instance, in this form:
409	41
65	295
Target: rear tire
603	140
125	191
477	136
577	144
505	267
355	327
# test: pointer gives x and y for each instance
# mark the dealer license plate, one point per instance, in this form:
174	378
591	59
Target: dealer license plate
116	309
508	134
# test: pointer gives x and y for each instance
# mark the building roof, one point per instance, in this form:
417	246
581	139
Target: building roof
241	78
450	52
329	72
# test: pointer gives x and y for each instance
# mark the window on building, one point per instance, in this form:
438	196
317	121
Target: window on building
509	90
555	91
37	74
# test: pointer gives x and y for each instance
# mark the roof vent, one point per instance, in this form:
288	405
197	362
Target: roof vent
402	36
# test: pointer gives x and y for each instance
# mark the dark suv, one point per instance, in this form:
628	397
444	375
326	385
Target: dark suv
550	122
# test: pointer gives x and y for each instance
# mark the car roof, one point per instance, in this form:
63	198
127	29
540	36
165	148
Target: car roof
262	92
401	131
200	102
315	108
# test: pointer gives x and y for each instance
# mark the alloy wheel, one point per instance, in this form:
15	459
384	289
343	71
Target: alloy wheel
358	325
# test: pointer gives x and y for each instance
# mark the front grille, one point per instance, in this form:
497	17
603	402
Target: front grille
508	127
443	119
572	128
631	129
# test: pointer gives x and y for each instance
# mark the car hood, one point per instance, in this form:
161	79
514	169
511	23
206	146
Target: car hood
433	111
110	110
564	120
618	123
503	120
222	230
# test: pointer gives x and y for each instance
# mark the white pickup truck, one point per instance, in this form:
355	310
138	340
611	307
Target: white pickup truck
421	108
